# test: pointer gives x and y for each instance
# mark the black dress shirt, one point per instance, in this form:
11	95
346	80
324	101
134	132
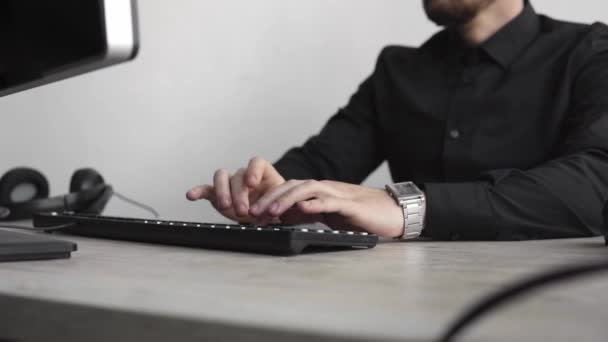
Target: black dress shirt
509	140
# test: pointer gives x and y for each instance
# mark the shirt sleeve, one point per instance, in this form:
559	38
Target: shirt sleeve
347	149
562	197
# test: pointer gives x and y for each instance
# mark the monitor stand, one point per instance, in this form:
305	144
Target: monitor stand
17	246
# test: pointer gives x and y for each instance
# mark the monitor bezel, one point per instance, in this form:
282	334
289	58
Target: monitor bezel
121	45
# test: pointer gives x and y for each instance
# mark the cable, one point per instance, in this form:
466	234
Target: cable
517	289
40	230
137	204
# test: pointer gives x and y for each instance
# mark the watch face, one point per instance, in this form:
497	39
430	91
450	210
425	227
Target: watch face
407	189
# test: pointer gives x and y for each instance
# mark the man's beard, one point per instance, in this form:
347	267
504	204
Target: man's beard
454	12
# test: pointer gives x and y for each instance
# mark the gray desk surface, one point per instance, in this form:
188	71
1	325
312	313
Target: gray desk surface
112	290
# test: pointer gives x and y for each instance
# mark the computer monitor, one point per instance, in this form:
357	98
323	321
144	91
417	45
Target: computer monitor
45	41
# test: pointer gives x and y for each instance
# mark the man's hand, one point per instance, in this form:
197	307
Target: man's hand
339	205
232	195
259	194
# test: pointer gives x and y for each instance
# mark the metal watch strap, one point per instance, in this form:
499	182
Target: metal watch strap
413	203
412	215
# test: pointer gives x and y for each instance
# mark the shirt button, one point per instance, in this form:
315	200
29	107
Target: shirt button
454	134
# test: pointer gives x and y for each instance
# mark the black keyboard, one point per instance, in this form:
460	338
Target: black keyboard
279	240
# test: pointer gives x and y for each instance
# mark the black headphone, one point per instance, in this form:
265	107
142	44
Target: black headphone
24	192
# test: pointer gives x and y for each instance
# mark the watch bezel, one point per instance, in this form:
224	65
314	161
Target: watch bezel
399	196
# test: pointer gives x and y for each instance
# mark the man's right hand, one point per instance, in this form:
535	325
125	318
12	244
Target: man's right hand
232	195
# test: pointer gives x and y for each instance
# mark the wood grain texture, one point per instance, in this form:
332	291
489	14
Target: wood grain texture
396	291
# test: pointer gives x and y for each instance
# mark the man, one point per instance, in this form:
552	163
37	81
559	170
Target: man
501	120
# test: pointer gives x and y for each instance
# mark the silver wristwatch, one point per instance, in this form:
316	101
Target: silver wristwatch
413	202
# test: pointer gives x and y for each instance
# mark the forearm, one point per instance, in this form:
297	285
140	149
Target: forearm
559	199
346	150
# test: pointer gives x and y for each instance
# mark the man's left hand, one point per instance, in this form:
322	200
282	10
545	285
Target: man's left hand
339	205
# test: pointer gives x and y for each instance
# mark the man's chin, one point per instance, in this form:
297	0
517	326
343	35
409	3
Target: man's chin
454	12
446	20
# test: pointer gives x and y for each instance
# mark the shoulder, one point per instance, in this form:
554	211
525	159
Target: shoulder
561	27
573	29
595	39
395	54
585	40
400	54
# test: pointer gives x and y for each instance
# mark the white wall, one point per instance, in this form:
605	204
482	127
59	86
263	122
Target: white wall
215	83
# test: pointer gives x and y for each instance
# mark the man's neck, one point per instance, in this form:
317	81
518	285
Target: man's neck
490	20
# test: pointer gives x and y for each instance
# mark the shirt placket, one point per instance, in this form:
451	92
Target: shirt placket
457	129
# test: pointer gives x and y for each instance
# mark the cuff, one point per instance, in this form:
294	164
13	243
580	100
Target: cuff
459	211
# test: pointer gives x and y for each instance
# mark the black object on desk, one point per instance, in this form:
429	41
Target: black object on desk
280	240
21	246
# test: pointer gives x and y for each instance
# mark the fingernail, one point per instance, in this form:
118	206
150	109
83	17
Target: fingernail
255	209
226	202
243	208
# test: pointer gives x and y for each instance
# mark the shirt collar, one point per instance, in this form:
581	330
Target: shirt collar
506	44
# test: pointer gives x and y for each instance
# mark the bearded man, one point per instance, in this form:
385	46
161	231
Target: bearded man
496	128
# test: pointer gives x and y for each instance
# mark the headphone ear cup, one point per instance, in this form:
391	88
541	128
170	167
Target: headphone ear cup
84	179
22	185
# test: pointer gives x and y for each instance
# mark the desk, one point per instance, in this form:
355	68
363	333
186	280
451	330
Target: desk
398	291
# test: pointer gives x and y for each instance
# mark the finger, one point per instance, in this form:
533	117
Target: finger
261	206
264	221
207	192
332	211
222	189
306	190
240	193
200	192
295	216
326	205
233	216
257	170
